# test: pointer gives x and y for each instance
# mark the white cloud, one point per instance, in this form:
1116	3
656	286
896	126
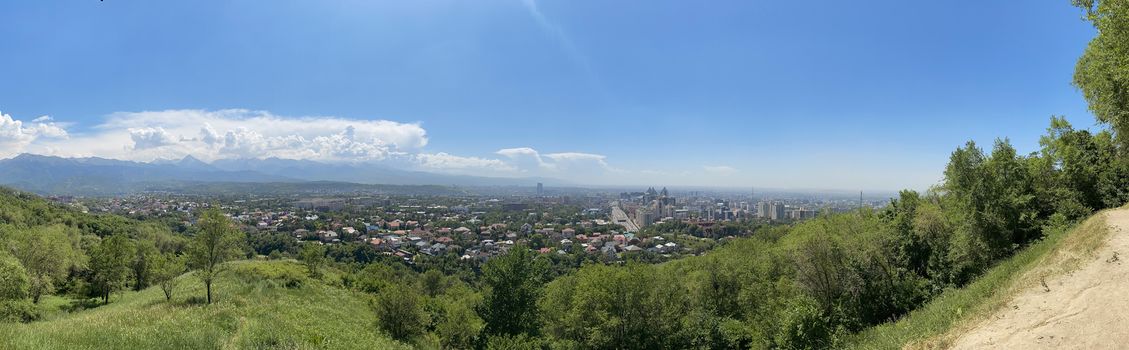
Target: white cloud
578	158
574	166
15	136
146	138
208	135
723	170
450	162
50	130
238	133
525	159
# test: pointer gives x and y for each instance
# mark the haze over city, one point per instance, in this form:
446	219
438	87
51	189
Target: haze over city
739	94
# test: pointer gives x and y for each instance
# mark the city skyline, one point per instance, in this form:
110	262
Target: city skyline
658	92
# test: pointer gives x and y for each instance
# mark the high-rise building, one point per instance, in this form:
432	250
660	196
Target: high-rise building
763	209
540	189
777	211
644	216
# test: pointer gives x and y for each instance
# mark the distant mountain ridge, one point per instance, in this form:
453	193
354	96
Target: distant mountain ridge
97	176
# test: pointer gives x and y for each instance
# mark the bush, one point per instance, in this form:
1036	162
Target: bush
399	312
803	326
283	274
19	311
513	342
14	281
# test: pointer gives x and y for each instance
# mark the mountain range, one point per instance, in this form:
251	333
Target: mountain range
96	176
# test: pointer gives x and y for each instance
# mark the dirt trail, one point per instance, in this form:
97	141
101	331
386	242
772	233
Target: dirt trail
1087	308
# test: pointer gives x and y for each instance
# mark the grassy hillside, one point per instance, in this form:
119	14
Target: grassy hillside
946	317
260	305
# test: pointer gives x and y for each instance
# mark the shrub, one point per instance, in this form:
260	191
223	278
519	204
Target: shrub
803	326
14	281
19	311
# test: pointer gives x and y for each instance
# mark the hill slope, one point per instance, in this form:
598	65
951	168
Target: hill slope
255	309
1010	307
1085	308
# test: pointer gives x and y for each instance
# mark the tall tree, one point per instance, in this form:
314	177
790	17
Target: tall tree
141	266
513	282
47	253
217	241
110	263
1101	73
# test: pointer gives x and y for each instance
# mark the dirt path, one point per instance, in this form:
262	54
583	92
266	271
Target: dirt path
1085	309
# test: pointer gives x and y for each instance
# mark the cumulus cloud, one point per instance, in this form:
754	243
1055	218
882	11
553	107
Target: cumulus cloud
525	159
146	138
238	133
16	136
565	164
724	170
445	161
208	135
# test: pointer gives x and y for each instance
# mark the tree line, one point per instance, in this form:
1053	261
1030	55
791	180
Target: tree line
48	249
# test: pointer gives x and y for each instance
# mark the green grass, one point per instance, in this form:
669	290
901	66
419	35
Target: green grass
944	318
259	305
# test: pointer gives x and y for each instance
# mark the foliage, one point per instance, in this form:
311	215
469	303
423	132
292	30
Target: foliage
268	243
514	342
19	311
14	282
635	307
513	284
216	242
141	263
1101	72
48	253
313	257
109	261
457	324
255	313
399	312
164	270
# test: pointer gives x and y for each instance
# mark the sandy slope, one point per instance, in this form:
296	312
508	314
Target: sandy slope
1085	309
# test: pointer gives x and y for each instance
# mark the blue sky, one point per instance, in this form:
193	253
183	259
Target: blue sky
813	94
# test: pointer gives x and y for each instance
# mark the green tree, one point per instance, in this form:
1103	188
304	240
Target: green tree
459	326
1101	72
637	306
433	283
110	264
399	312
47	252
513	284
165	269
933	229
996	201
14	283
313	256
217	241
141	265
822	270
